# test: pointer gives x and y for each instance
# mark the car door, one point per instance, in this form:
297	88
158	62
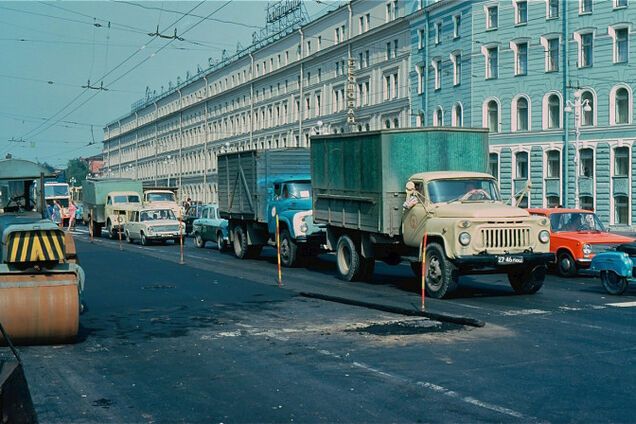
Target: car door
203	223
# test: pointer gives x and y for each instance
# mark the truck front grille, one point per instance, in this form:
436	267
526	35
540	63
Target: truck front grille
503	238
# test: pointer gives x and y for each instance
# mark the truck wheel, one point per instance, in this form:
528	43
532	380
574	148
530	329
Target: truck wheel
144	240
220	243
614	283
241	250
527	281
348	259
566	266
198	241
288	249
96	229
128	239
441	274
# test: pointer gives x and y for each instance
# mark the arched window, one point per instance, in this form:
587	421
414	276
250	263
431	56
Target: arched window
522	165
522	114
457	119
554	111
621	105
553	162
493	116
586	157
587	117
387	123
396	123
438	117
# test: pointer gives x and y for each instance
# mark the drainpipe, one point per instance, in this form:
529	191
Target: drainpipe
155	143
180	141
425	88
136	145
119	149
564	161
205	143
301	102
252	101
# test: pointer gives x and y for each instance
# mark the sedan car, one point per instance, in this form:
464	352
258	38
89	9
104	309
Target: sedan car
577	235
210	227
149	224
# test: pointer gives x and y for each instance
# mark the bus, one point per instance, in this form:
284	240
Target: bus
60	192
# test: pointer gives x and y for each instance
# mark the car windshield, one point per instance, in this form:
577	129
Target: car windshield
131	198
575	221
55	190
297	190
156	215
465	190
160	197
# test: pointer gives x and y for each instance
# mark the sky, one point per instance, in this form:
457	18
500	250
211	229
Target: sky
51	50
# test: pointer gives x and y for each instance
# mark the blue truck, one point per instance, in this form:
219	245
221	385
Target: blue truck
254	188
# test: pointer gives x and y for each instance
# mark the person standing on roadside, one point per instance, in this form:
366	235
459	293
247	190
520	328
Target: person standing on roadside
57	213
72	210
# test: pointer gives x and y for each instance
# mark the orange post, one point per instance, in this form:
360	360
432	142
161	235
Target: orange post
181	259
90	229
423	306
280	274
119	231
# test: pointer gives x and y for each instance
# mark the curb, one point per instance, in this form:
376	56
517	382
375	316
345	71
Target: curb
397	310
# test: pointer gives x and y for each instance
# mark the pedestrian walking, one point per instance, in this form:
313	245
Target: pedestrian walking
72	210
57	213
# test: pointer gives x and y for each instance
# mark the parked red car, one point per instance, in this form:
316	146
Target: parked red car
577	235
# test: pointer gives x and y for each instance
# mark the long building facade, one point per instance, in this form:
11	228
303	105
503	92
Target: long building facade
549	78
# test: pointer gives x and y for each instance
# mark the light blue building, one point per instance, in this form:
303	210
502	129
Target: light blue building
548	78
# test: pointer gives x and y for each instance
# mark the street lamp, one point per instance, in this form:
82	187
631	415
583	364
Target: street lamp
168	161
576	106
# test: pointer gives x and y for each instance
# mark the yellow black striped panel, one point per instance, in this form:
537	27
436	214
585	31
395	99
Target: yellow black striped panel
35	246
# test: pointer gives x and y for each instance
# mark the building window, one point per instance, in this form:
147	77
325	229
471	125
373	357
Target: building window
492	61
396	123
522	165
587	162
587	203
585	6
620	3
438	33
521	59
587	116
621	106
387	87
552	55
388	50
522	114
457	68
621	162
621	46
492	116
457	118
554	111
553	9
420	39
521	12
553	161
492	17
552	201
621	210
437	69
387	123
395	49
586	46
457	24
438	117
493	164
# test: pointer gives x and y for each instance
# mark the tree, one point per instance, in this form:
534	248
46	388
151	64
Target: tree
78	169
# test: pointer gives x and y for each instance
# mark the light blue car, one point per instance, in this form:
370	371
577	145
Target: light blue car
210	227
617	268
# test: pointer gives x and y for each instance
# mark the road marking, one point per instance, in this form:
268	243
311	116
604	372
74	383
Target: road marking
519	312
622	304
569	308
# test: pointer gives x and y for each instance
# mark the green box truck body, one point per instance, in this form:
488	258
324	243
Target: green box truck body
359	178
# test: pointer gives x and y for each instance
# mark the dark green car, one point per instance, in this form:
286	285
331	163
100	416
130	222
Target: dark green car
210	227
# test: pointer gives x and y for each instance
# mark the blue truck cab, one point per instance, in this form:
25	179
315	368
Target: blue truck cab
616	267
290	199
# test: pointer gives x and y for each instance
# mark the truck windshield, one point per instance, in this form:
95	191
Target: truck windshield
131	198
160	197
575	221
465	190
55	190
157	215
297	190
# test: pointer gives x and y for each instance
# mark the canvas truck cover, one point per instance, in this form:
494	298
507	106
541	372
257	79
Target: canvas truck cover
245	177
359	179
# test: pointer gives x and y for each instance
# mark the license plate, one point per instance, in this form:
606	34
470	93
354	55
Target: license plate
509	260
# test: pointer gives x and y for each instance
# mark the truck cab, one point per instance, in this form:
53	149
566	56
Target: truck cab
162	198
118	209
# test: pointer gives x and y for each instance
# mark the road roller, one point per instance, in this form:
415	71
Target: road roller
41	281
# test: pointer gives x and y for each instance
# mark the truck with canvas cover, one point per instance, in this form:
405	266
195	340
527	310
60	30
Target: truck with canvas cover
40	279
255	187
380	193
109	203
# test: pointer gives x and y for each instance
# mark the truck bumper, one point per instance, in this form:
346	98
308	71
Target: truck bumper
164	236
503	261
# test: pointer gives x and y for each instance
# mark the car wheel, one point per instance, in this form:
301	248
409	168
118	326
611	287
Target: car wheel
109	230
566	266
527	281
220	243
441	274
614	283
198	241
144	240
128	239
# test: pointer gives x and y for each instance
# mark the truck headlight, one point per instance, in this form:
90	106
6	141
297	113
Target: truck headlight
587	249
149	230
304	227
464	239
544	236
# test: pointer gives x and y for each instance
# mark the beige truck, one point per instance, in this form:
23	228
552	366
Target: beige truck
109	203
382	206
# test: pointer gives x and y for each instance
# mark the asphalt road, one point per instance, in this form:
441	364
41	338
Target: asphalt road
216	340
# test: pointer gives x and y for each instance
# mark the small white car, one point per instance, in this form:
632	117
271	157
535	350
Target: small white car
153	224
